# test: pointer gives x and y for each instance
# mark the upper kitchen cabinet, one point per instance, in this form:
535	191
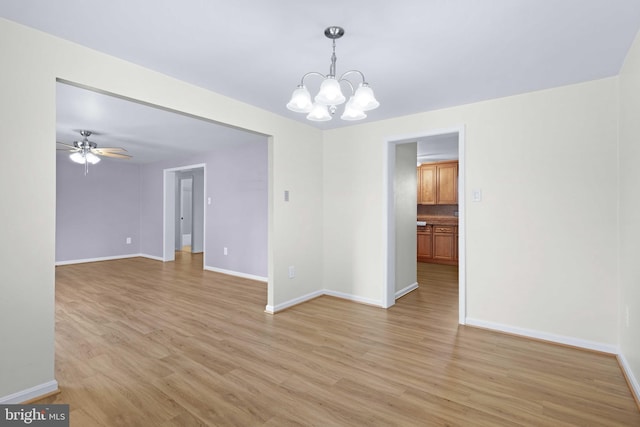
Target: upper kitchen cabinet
438	183
447	186
427	178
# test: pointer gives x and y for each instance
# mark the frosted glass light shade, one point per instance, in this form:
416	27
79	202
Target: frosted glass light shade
351	112
83	158
364	98
92	158
319	113
77	157
300	100
330	92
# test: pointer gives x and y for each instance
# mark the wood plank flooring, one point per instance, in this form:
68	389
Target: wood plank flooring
142	343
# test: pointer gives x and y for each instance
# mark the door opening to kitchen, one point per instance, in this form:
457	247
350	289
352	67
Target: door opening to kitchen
425	259
437	221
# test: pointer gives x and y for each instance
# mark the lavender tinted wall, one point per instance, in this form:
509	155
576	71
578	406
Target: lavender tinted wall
237	182
97	212
151	209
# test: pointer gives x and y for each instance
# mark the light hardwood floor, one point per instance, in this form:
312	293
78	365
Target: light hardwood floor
142	343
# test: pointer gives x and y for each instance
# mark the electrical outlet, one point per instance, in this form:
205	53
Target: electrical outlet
225	251
128	240
292	272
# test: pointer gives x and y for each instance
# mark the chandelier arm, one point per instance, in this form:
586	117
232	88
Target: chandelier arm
309	74
342	77
349	83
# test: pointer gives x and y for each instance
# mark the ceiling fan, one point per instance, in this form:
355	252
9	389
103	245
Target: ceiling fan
85	151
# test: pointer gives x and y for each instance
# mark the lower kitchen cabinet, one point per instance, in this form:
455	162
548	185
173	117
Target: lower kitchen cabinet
444	243
425	243
438	244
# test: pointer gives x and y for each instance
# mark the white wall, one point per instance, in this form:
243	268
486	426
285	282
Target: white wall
629	248
27	97
27	105
405	185
541	246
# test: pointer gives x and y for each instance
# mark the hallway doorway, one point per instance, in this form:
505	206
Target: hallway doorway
184	205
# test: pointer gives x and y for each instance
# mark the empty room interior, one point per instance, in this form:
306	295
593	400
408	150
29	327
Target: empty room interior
220	221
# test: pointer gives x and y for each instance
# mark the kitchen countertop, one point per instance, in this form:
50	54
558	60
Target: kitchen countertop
439	220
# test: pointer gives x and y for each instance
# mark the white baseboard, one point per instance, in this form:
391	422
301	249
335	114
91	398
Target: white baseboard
295	301
279	307
30	393
106	258
403	292
153	257
351	297
559	339
237	274
633	382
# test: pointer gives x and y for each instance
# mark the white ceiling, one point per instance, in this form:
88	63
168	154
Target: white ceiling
418	55
148	134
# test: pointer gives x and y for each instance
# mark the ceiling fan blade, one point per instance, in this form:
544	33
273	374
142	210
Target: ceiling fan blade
109	150
63	146
114	155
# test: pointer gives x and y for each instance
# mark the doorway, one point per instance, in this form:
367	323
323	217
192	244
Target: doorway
184	218
184	228
392	241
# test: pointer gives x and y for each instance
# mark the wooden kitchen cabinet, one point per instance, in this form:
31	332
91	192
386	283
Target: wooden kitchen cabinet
438	183
427	179
438	244
447	183
425	243
444	243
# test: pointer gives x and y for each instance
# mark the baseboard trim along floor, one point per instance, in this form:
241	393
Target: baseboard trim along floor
31	394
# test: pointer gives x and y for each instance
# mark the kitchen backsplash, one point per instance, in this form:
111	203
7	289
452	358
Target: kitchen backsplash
438	210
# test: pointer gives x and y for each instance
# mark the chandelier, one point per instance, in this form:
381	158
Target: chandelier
330	95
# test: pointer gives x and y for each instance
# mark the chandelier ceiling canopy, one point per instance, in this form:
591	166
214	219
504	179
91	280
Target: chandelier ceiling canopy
325	103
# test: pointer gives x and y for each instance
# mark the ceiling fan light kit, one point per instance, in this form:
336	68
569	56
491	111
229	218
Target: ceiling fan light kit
325	103
83	158
86	152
